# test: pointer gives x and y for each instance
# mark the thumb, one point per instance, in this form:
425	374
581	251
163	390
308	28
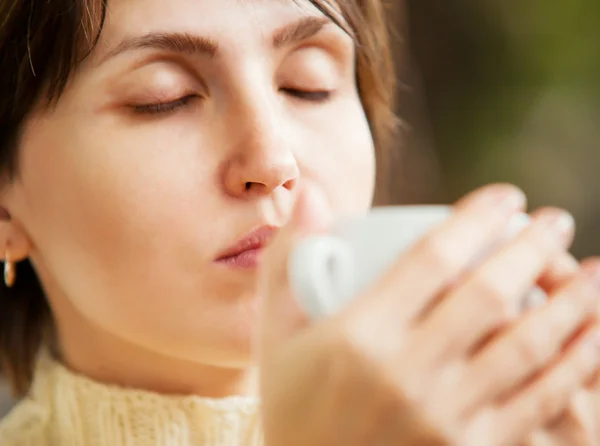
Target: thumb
281	314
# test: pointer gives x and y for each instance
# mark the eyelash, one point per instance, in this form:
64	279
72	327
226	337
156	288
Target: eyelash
311	96
173	106
164	107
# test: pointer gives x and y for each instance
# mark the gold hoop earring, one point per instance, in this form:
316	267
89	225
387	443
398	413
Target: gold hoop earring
10	273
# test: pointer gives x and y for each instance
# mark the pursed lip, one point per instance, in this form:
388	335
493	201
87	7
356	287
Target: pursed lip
245	251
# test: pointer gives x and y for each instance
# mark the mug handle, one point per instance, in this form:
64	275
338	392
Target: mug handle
321	272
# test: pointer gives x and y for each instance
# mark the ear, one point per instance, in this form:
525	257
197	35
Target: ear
14	241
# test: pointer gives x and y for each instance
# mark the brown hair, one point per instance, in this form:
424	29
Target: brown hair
41	45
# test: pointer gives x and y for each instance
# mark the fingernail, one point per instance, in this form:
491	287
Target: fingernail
496	196
505	196
560	222
509	198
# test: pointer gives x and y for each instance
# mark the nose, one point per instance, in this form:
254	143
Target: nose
262	160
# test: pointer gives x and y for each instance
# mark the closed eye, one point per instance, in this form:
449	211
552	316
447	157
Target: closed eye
164	107
313	96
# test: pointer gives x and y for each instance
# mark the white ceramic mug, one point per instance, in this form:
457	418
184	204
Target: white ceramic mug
328	271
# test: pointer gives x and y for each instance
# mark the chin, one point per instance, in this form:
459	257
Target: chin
218	329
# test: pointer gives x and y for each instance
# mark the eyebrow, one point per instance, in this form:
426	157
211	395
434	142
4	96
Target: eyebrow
295	32
185	43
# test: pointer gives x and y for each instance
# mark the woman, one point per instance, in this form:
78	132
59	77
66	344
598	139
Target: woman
151	153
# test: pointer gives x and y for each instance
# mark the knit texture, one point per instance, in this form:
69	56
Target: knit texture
67	409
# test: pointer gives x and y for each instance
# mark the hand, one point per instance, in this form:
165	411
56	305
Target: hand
419	359
579	423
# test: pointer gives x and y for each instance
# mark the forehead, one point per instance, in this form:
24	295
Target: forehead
229	21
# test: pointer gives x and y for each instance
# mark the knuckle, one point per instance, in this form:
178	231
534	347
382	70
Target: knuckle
530	253
564	316
529	348
491	296
482	377
440	252
547	405
587	291
583	362
553	394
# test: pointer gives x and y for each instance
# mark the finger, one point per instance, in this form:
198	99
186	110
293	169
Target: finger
546	397
281	315
490	296
432	263
532	343
561	269
577	425
539	437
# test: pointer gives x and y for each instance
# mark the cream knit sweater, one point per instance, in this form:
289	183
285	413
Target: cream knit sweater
66	409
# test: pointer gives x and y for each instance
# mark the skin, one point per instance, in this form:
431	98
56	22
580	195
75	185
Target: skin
578	425
434	354
118	210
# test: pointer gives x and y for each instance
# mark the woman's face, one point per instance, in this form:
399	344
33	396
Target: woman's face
193	123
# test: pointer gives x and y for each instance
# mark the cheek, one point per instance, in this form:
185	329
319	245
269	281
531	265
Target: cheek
345	158
111	213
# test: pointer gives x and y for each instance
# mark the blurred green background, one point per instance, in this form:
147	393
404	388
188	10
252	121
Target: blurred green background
502	91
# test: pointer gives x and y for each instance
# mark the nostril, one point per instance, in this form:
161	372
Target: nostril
290	184
254	187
